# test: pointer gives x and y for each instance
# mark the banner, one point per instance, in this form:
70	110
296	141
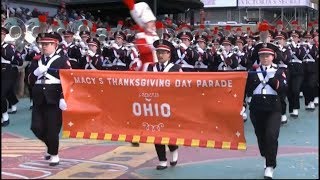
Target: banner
188	109
219	3
273	3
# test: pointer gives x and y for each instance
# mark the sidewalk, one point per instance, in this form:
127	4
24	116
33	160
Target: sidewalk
22	155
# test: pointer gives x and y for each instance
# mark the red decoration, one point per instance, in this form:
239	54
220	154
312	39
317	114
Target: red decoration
129	4
120	22
42	18
263	26
159	25
55	23
85	22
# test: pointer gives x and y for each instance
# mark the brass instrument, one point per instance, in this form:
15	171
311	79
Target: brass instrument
209	46
220	49
81	25
32	30
102	34
60	28
16	33
235	49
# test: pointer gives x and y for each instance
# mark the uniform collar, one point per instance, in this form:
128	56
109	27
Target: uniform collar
165	63
264	67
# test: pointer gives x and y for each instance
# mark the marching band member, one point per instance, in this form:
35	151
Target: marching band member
85	35
186	55
248	49
93	60
227	59
34	53
309	84
143	16
283	65
118	55
73	51
315	36
265	106
12	97
8	74
240	54
47	95
204	60
164	49
295	68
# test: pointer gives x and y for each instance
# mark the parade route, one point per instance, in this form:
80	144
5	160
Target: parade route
22	155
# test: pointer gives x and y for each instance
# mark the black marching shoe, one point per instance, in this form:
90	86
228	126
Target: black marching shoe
134	144
161	167
12	112
5	123
47	157
173	163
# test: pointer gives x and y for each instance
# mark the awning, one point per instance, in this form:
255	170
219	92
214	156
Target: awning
116	7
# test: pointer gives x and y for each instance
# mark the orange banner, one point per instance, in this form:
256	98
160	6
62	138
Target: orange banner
189	109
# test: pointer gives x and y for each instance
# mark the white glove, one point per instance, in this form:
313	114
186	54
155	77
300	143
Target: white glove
91	53
40	70
62	105
239	53
115	45
200	50
183	46
23	56
82	44
36	49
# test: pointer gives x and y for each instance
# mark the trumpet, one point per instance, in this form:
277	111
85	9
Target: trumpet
220	49
276	43
235	49
177	41
209	46
108	44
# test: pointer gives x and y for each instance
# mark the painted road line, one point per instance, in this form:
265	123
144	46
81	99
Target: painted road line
113	164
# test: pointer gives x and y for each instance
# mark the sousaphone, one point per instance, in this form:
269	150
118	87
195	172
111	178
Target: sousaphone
16	29
32	30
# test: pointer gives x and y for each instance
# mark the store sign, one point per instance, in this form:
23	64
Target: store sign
219	3
273	3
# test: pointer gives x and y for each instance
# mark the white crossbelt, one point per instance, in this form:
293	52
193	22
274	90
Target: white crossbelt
181	60
117	61
50	79
267	88
5	61
89	63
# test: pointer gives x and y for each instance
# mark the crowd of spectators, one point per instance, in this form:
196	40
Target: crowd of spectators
64	15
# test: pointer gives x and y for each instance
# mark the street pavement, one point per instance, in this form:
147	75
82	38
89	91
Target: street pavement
22	155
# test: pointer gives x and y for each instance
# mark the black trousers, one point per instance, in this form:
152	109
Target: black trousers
267	127
12	97
309	87
7	83
27	72
46	125
161	151
294	86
